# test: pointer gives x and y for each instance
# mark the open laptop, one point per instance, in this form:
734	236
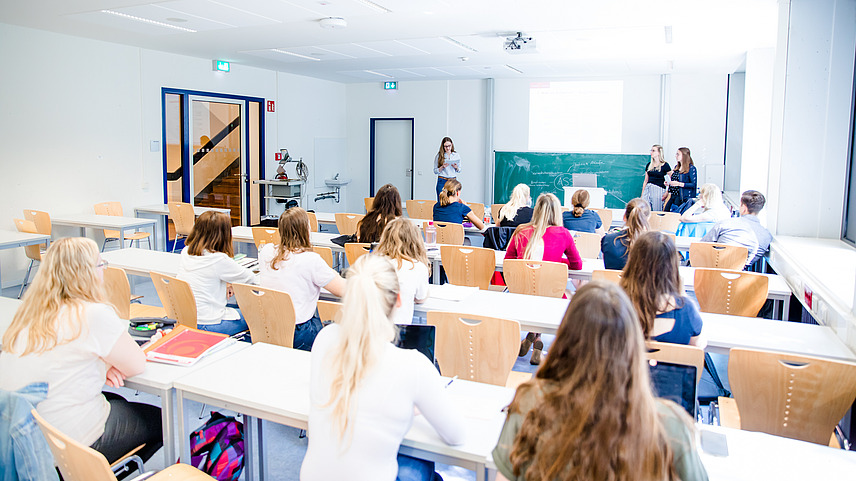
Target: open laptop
675	382
417	336
584	180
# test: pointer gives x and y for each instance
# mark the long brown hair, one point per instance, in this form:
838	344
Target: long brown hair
450	189
385	207
293	234
651	277
636	215
686	159
580	201
597	418
547	213
440	155
401	241
211	232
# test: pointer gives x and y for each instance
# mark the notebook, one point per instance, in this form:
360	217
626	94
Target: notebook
675	382
184	346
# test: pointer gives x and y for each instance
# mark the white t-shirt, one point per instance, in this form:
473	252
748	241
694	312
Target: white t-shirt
75	372
208	276
400	380
301	275
412	285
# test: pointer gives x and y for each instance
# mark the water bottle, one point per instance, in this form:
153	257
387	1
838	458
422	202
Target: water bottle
430	234
487	218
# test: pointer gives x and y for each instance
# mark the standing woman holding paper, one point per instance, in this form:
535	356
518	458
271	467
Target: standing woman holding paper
688	179
654	187
447	164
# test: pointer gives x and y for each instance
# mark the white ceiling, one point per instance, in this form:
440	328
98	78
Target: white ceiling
426	39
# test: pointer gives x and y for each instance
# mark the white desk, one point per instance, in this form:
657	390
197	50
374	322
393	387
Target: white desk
244	234
140	262
12	239
161	212
329	218
94	221
284	399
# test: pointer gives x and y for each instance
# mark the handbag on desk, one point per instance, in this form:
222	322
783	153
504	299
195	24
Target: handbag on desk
344	239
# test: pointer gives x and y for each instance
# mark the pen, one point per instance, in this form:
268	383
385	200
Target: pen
451	381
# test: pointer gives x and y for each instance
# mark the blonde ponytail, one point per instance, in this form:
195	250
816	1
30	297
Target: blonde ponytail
450	189
636	214
580	200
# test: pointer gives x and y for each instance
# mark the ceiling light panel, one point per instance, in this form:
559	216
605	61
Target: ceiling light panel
352	50
238	14
282	55
435	46
364	75
333	8
323	53
126	23
401	74
393	47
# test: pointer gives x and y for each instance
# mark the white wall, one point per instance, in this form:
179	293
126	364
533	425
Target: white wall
757	114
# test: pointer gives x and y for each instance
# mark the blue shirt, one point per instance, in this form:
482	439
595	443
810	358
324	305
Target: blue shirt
454	212
687	322
588	222
614	251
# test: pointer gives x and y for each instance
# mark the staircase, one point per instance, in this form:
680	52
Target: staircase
224	192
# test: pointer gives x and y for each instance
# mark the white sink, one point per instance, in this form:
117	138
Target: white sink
337	182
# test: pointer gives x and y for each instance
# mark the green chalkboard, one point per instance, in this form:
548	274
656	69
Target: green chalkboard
620	174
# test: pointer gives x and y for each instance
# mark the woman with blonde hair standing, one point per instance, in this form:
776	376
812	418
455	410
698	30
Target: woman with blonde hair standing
363	390
590	413
447	164
654	187
518	210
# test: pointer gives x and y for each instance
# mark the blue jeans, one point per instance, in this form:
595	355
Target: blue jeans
225	327
440	183
414	469
305	332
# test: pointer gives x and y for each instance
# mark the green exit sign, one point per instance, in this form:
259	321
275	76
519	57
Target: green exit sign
390	85
221	66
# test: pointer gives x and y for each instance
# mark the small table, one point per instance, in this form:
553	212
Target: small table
12	239
94	221
161	213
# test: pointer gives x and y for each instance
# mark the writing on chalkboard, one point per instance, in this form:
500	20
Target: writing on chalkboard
620	175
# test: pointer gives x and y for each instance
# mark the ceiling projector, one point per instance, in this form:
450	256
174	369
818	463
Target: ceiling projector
519	44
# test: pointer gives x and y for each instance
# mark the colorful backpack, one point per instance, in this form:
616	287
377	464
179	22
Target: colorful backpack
217	448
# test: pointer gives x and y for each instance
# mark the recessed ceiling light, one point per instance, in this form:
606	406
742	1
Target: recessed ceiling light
377	73
333	22
509	67
459	44
286	52
374	6
146	20
176	19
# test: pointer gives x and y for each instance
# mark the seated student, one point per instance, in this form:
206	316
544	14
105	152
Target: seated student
745	230
363	389
452	209
590	413
66	335
207	265
614	246
543	239
385	207
293	267
580	219
652	281
402	243
708	208
518	210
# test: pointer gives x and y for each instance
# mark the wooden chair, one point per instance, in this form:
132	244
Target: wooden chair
535	278
448	233
420	209
269	314
118	292
664	221
368	201
176	297
475	348
494	212
33	251
313	222
677	354
265	235
355	250
730	292
326	253
183	218
718	256
115	209
329	310
347	223
609	275
798	397
478	209
78	462
605	217
588	244
468	266
41	219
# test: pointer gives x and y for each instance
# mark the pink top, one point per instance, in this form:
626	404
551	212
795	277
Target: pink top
558	246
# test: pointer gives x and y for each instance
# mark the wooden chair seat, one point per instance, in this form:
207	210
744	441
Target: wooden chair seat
468	266
535	278
368	201
313	222
718	256
730	292
610	275
494	212
355	250
176	297
477	208
326	253
605	218
183	218
265	235
329	310
664	221
420	209
448	233
269	314
41	219
677	354
347	223
588	244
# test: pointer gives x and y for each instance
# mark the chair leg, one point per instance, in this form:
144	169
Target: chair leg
104	244
26	279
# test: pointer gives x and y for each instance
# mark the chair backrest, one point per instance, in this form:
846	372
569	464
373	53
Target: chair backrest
677	354
664	221
176	297
797	397
118	290
475	348
368	201
182	216
718	256
448	233
477	208
326	253
605	217
468	266
41	219
76	462
610	275
269	314
730	292
494	212
33	251
420	209
265	235
588	244
109	208
347	223
313	222
354	250
329	310
535	278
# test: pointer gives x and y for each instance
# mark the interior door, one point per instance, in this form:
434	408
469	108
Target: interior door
392	155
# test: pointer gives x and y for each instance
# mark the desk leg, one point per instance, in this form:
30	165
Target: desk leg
786	308
168	422
183	440
435	268
249	447
481	472
121	238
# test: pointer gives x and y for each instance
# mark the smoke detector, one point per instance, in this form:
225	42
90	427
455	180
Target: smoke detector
333	22
519	44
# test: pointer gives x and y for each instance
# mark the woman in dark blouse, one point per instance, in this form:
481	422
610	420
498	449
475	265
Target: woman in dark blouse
687	182
518	210
654	187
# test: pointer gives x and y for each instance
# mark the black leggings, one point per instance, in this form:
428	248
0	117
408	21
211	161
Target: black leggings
128	426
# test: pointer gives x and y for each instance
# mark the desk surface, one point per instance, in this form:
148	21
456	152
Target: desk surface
10	239
163	376
101	221
139	262
163	209
322	239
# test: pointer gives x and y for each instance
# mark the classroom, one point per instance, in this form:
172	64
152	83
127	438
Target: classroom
761	91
